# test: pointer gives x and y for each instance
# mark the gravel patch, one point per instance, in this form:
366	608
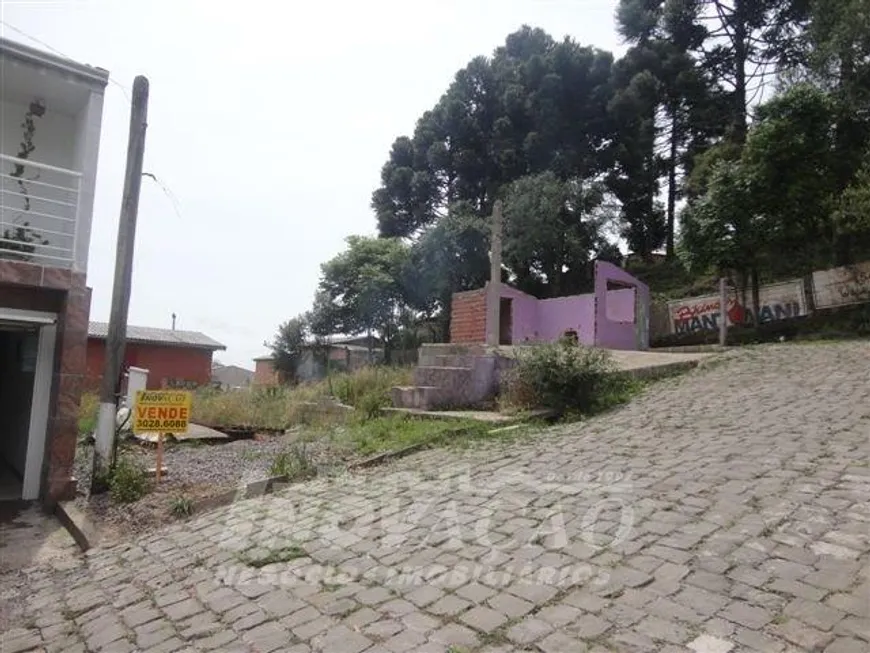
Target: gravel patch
194	470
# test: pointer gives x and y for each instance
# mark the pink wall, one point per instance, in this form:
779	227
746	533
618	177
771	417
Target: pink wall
620	305
524	320
548	319
604	319
614	334
561	314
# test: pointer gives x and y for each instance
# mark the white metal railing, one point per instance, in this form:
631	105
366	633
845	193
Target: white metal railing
39	207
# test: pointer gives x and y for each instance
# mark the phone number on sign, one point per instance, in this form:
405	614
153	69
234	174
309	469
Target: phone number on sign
161	424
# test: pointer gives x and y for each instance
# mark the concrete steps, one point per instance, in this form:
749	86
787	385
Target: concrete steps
451	377
415	397
430	359
447	376
435	387
455	378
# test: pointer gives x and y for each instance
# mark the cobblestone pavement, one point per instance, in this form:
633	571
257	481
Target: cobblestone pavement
726	510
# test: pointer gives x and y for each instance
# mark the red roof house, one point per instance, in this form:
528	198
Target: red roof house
173	358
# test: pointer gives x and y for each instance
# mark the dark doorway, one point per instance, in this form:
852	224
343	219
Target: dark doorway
17	368
505	321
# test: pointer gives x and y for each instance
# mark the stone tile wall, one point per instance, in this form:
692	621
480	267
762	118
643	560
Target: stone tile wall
35	287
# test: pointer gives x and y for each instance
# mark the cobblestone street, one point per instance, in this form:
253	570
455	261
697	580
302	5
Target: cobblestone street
724	510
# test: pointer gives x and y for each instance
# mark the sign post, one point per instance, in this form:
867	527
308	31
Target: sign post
161	412
723	312
159	465
493	294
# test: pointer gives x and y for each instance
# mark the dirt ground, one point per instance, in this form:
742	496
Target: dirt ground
195	471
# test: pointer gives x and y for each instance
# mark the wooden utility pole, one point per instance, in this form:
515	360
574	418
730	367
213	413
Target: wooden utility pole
723	312
493	295
116	338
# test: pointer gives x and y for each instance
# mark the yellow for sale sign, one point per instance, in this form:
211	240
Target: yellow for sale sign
161	411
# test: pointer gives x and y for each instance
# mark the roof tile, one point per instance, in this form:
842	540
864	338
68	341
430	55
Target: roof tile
150	335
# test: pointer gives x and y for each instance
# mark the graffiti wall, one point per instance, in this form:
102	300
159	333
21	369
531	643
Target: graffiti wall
777	302
842	286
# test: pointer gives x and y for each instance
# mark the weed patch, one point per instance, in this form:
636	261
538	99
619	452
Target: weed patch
372	436
294	464
181	506
128	481
278	408
88	408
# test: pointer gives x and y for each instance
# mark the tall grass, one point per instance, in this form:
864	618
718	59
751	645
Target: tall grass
372	436
88	409
278	408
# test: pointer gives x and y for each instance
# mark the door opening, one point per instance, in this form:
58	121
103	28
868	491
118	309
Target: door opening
26	372
505	321
18	346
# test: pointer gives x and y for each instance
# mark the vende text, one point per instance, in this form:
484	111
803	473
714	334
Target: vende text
161	412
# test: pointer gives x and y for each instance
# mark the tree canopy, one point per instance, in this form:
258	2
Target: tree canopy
730	132
287	347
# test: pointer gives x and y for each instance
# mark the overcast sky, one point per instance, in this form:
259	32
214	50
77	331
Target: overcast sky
269	122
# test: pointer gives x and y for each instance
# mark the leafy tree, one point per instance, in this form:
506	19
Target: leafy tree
634	177
790	162
364	288
449	256
323	316
553	231
409	196
535	105
288	346
722	230
776	197
836	53
851	215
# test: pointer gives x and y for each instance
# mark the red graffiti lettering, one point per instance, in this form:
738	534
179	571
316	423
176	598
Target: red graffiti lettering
688	311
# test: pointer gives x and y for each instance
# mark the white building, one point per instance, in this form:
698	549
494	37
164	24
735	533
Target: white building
50	118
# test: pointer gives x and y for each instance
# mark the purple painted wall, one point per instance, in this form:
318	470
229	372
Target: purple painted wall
561	314
524	320
620	305
605	318
617	334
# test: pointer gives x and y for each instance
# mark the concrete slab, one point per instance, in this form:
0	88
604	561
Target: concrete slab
479	415
29	536
488	416
633	360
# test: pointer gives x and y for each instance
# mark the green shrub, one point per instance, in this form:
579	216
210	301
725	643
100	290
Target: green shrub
128	481
567	377
369	405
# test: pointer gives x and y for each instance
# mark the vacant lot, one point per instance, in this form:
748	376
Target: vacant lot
726	510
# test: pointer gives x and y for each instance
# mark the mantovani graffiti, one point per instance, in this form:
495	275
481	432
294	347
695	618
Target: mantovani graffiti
688	319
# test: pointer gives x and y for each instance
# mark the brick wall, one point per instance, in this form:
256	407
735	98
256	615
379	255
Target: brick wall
468	317
163	363
264	373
